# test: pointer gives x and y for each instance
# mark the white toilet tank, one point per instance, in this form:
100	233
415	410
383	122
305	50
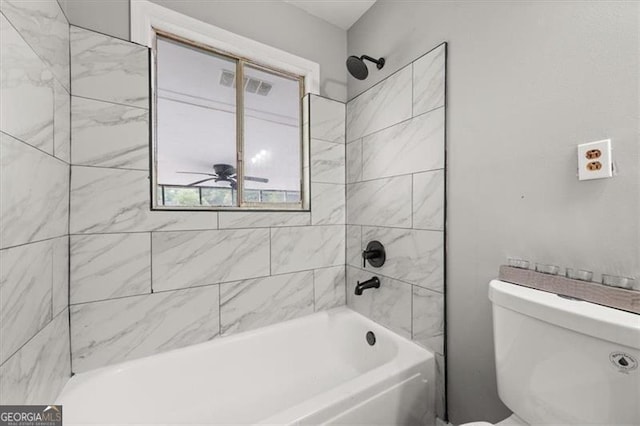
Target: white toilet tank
565	362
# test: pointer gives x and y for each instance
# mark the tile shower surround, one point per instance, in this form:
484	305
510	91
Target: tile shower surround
34	205
395	194
284	275
176	278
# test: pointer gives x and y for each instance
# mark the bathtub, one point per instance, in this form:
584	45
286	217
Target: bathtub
318	369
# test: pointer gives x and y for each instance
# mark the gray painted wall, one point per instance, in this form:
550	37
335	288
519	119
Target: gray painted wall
271	22
527	81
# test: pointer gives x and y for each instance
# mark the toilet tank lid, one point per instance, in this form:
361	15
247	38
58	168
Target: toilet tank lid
584	317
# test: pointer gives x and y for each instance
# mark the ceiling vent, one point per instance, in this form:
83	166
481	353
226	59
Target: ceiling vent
251	85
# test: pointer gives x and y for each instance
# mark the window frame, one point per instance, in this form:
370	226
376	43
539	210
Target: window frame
240	63
146	18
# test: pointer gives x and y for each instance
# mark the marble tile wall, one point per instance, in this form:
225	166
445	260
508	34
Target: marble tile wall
395	193
34	201
143	281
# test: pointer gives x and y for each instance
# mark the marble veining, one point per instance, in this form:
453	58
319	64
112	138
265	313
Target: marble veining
25	294
328	204
327	119
429	81
60	274
109	69
383	105
26	104
35	194
153	323
259	302
329	287
115	200
107	266
45	28
389	305
185	259
109	135
384	202
354	245
415	256
304	248
428	318
413	146
230	220
354	161
327	162
428	200
62	123
38	371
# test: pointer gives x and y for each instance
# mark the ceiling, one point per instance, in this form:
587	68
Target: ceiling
341	13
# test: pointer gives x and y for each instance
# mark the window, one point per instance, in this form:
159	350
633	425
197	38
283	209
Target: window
228	131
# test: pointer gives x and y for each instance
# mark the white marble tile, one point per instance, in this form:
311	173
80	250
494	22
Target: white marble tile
25	294
428	200
416	145
146	325
327	204
308	247
106	266
413	256
441	388
113	200
62	123
39	370
26	104
385	202
329	287
429	81
327	162
383	105
35	194
109	135
354	245
327	119
354	161
260	302
193	258
230	220
109	69
45	28
389	305
60	274
428	318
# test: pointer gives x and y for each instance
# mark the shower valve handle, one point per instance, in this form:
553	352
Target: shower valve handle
375	254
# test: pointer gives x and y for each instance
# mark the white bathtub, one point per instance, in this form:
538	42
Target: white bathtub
314	370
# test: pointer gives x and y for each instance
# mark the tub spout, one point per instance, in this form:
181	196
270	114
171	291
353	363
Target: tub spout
370	283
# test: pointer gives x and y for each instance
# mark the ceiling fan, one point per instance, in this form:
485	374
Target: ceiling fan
223	173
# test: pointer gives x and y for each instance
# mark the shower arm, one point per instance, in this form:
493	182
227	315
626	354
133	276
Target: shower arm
379	62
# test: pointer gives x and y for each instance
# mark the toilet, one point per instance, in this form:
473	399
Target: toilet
561	361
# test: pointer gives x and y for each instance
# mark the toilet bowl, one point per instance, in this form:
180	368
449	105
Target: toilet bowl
564	361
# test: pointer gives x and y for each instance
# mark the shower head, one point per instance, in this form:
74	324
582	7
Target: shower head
357	67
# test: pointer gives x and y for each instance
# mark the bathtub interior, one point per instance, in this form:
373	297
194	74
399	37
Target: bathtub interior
251	376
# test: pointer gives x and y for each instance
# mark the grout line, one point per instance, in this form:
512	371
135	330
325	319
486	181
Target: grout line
108	102
366	135
110	168
33	242
171	290
36	148
151	261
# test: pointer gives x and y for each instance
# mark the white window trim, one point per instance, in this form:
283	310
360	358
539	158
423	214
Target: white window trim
147	16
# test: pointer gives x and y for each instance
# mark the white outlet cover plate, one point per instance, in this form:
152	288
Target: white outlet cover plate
606	171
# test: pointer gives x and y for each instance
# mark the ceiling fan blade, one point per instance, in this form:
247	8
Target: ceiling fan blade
256	179
197	173
201	181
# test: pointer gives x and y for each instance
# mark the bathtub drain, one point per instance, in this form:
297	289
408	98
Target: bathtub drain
371	338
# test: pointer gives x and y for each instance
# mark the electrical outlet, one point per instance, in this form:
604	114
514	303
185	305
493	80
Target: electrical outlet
594	160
